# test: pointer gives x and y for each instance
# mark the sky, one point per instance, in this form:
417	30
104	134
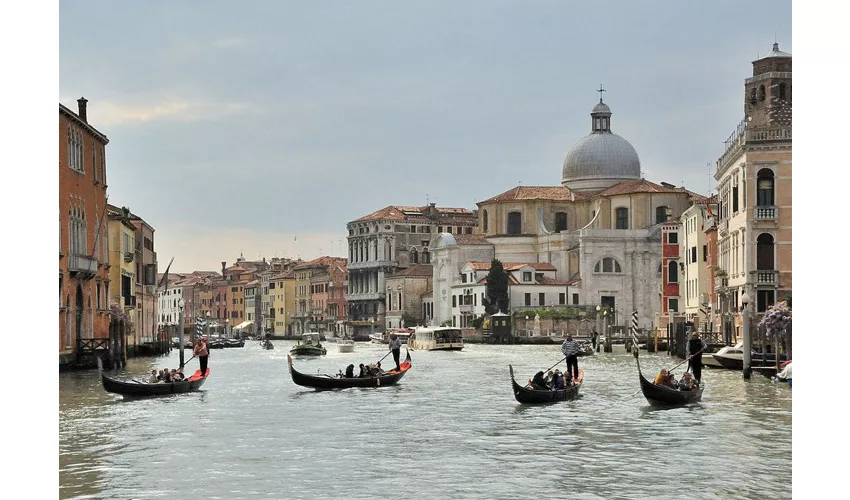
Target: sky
262	130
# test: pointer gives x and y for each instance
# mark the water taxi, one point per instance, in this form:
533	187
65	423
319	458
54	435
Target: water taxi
436	339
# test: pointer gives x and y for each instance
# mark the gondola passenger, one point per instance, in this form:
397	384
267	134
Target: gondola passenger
363	371
153	378
557	381
349	371
539	382
661	377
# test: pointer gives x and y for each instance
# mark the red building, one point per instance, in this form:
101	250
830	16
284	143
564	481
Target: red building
670	271
83	253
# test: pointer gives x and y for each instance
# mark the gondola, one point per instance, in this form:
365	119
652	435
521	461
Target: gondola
267	344
137	388
658	395
328	382
528	395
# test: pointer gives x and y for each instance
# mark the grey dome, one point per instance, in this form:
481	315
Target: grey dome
600	159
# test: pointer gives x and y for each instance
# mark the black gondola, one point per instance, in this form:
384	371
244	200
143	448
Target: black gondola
135	388
329	382
658	395
528	395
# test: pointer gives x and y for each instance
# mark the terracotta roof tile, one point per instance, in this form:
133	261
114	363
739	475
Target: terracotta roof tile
416	270
417	214
639	186
553	193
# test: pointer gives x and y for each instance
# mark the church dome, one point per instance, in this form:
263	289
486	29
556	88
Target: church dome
601	159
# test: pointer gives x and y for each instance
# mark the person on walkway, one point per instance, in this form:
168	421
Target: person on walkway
202	352
593	337
570	349
695	348
395	347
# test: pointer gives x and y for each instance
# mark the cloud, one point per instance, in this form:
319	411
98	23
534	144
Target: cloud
176	109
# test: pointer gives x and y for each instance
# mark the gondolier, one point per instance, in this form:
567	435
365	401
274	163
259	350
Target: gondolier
202	352
695	349
395	347
570	348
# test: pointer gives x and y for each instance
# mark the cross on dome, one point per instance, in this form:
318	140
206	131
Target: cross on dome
600	92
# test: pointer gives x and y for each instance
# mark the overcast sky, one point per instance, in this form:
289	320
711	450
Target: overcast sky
237	127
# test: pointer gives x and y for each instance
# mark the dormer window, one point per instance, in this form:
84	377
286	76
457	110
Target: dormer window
526	276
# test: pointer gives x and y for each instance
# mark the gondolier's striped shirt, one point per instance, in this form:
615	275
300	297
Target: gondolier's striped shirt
570	347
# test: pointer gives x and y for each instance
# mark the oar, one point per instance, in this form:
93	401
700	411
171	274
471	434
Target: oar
385	355
553	366
187	362
689	357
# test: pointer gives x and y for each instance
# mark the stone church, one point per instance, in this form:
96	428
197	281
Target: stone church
601	228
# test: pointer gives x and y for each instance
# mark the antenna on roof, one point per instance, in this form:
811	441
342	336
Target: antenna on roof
427	200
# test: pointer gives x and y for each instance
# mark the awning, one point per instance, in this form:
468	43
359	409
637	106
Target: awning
243	325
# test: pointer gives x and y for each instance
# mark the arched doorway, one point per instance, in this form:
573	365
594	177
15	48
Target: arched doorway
764	252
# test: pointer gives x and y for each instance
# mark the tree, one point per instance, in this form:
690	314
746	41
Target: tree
497	289
409	320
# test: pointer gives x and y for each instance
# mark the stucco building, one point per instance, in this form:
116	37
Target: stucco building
754	191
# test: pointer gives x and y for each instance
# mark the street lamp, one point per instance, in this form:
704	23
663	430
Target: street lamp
748	343
180	304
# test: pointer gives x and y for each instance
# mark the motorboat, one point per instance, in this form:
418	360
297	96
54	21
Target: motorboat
436	339
378	338
732	357
345	345
402	334
309	345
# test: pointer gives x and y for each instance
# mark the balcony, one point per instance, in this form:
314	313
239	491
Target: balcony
770	214
129	301
723	226
765	278
466	308
721	282
129	256
82	266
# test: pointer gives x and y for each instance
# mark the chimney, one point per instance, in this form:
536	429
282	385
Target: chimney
81	106
223	265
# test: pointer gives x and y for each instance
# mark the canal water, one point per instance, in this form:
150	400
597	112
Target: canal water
450	429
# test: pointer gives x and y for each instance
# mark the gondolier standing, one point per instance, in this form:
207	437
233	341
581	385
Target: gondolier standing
395	347
695	348
570	349
202	352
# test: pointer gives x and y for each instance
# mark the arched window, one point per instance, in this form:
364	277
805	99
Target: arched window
560	222
753	95
661	214
514	223
622	218
414	256
761	93
764	252
607	265
781	91
486	220
672	272
764	191
426	256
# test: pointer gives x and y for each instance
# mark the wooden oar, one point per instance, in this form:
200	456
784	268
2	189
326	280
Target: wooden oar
187	362
385	355
689	357
556	364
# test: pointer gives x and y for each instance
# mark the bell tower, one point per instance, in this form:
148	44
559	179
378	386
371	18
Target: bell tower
767	95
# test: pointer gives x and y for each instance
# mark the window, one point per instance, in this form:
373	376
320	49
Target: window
541	299
463	278
753	95
661	214
528	299
575	299
622	218
526	276
468	230
761	93
781	91
414	256
693	254
764	252
672	272
673	238
607	265
454	300
734	199
673	305
764	193
485	219
514	223
705	253
764	299
560	222
562	299
426	256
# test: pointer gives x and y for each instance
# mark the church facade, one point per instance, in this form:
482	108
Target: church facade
601	228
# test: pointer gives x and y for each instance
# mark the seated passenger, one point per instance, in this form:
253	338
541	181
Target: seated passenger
166	376
363	371
153	378
686	383
349	371
659	379
539	382
671	381
568	378
557	381
180	375
376	370
548	379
